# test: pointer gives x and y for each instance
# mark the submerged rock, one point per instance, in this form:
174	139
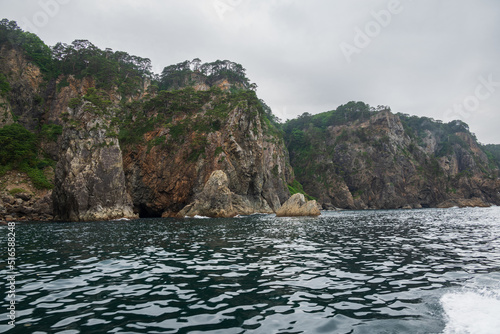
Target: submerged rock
297	206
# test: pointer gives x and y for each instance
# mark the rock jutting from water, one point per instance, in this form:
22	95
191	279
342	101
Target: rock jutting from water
216	200
89	177
298	206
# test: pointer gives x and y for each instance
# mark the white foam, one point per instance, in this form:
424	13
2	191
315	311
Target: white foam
472	312
199	217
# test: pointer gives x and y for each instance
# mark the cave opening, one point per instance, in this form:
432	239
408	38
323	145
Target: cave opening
148	212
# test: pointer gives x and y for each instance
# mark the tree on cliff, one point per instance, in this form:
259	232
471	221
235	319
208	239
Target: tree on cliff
19	149
82	58
31	44
180	75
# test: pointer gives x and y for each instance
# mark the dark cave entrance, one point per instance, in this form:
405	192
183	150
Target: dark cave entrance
147	212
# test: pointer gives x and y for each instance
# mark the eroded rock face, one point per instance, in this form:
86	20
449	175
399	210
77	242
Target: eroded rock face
375	164
297	206
89	177
164	179
25	95
217	200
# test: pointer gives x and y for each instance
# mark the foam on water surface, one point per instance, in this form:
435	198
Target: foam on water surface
472	312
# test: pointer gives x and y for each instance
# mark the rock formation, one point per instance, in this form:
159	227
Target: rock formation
172	164
296	205
114	140
89	178
384	160
217	200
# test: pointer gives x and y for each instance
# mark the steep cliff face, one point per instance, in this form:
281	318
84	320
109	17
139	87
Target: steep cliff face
218	131
25	98
172	140
106	138
377	161
88	181
89	177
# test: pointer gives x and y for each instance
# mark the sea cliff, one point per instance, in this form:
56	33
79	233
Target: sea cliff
358	157
90	134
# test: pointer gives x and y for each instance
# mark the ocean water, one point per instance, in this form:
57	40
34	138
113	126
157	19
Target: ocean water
400	271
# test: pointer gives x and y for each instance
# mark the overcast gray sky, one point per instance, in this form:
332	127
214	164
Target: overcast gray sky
431	58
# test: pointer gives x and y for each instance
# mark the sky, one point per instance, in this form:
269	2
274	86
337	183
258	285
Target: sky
433	58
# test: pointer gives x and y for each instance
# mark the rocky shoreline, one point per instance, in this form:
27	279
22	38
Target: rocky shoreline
216	201
188	143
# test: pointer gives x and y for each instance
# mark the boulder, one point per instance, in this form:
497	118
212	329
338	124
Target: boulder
297	206
24	196
215	200
43	206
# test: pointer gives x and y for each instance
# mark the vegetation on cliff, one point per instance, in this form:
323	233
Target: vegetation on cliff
33	47
19	149
493	153
358	156
110	123
81	58
190	73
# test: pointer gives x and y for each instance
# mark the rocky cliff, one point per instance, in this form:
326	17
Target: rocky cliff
362	158
113	140
217	130
24	97
90	134
89	181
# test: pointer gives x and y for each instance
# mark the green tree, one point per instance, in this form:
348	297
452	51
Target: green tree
34	48
17	145
4	84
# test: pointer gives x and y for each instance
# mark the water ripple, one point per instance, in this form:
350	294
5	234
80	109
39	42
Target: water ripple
343	272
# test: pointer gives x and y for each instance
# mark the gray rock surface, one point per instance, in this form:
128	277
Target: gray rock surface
217	200
297	206
89	178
